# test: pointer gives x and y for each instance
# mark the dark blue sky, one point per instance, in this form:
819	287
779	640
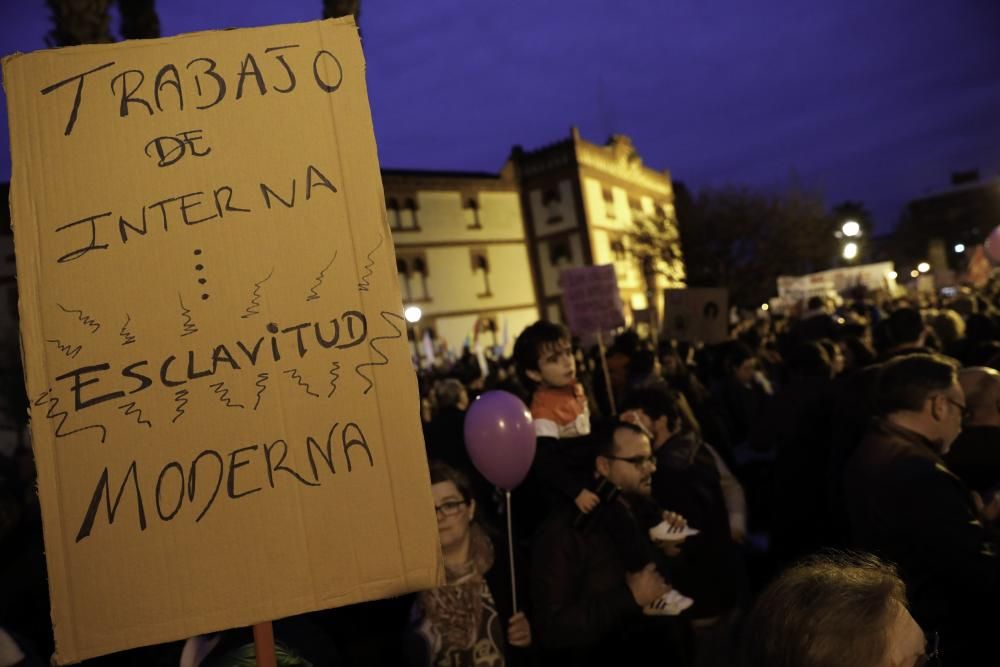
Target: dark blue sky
873	101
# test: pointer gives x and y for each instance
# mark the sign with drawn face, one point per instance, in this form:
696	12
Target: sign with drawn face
224	415
696	314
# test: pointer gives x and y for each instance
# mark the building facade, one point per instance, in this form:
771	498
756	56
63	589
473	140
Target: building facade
481	253
461	254
581	201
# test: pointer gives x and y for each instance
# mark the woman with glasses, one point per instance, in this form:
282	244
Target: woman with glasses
469	620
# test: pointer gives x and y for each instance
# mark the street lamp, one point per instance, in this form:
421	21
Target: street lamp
851	228
959	248
923	267
850	250
413	314
892	275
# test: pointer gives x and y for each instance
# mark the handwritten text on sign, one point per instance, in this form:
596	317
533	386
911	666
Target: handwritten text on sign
591	299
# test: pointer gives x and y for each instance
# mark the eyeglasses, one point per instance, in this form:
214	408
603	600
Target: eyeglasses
450	508
933	657
961	406
637	461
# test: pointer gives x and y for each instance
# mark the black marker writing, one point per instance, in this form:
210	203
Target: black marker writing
254	307
87	320
181	399
179	487
334	376
220	389
131	409
178	369
313	294
171	148
63	415
302	383
178	211
371	345
168	88
65	348
261	384
188	324
363	283
126	335
79	92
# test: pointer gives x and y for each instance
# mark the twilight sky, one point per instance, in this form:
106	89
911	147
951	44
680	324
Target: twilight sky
871	101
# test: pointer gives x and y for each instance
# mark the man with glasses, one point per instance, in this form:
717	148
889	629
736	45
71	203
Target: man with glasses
975	456
905	505
591	581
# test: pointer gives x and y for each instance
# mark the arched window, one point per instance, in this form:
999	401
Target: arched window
618	250
392	212
411	214
420	269
472	206
560	252
481	266
404	278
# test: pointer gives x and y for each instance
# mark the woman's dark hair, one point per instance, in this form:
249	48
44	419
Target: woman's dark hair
442	472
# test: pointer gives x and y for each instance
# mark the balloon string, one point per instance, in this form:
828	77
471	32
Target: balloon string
510	553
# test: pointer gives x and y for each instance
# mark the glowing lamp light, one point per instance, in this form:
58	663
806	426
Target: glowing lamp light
892	275
914	273
764	307
850	250
851	228
413	314
959	247
923	267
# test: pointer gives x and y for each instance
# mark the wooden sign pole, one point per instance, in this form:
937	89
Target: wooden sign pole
263	639
607	375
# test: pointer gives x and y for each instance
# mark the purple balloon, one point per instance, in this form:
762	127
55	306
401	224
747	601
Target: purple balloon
500	438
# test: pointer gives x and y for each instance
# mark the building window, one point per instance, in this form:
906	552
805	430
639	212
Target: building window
559	251
609	203
481	269
420	269
392	211
486	324
618	250
403	272
553	205
472	206
412	270
410	220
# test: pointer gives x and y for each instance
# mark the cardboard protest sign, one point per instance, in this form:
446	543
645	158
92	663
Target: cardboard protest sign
696	314
591	300
224	414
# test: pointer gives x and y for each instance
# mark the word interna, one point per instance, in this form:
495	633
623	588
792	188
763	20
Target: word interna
189	208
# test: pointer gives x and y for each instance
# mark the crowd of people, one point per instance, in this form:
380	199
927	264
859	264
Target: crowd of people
820	489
